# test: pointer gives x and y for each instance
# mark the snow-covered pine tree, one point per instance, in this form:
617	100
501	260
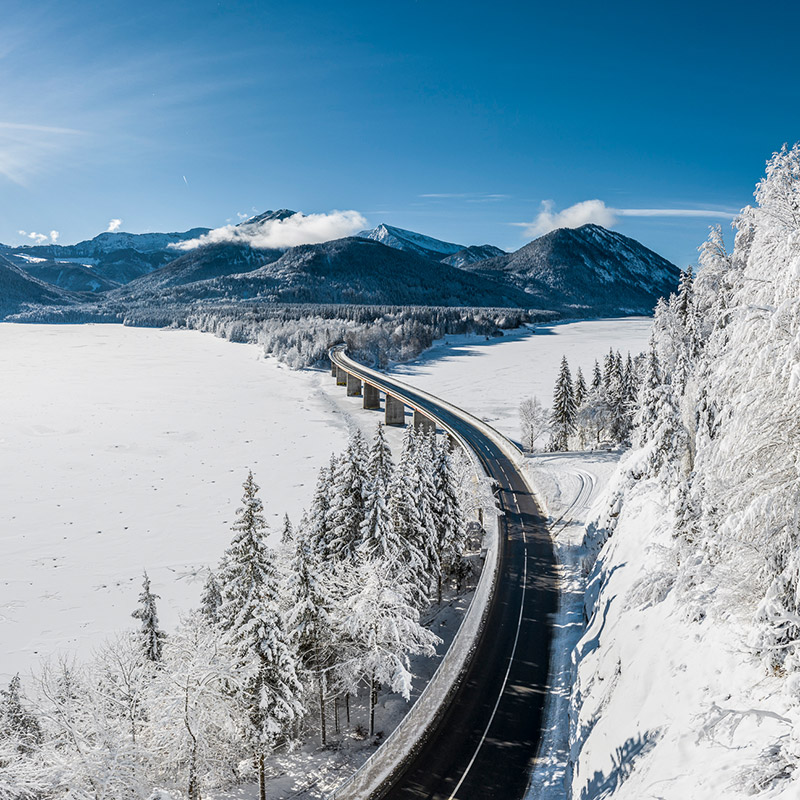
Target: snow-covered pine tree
609	368
211	599
384	629
312	602
617	403
564	411
347	501
423	488
630	384
580	391
287	532
450	527
268	687
597	377
19	727
318	530
151	636
648	399
379	539
406	523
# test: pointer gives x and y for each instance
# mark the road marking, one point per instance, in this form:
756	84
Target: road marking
505	679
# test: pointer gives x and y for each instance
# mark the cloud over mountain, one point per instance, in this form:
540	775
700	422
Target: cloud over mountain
596	212
278	233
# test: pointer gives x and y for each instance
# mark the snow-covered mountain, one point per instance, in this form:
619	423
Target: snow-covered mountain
585	270
116	257
473	254
351	270
203	264
411	242
105	243
588	272
18	289
67	275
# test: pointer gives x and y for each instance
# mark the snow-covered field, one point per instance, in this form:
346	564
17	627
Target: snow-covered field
123	449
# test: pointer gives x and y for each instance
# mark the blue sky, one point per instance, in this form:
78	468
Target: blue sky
456	119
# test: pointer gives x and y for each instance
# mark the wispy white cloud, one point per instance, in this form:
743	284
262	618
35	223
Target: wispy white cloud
279	233
40	238
113	225
470	197
25	148
598	213
675	212
22	126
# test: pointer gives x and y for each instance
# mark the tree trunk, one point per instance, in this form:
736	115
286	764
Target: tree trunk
322	728
262	778
347	708
336	713
439	586
373	697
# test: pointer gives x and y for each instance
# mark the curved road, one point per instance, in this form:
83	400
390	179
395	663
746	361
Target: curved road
483	746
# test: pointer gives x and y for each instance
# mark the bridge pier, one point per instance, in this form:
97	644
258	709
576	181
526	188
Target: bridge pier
333	370
372	396
423	424
395	411
341	377
353	386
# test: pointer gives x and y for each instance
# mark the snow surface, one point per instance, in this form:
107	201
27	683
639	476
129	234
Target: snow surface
671	705
123	449
489	377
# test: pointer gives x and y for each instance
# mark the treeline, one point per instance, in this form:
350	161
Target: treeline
300	334
283	639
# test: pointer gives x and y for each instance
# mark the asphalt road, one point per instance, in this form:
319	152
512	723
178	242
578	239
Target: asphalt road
484	744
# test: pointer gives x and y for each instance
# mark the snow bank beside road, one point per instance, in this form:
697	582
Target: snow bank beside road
668	702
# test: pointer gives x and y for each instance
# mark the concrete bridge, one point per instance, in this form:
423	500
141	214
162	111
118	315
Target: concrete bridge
393	407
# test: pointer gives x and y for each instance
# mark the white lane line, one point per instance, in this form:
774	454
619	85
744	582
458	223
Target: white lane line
505	679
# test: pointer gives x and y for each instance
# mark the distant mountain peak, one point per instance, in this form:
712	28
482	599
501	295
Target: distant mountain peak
586	267
269	216
411	242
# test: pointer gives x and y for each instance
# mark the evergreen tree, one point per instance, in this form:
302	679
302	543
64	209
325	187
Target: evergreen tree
211	599
318	528
648	399
268	688
406	521
563	415
287	533
379	539
580	391
597	377
423	488
348	502
450	527
17	725
151	636
310	619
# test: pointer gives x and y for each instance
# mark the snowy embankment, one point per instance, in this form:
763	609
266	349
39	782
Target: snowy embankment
668	702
